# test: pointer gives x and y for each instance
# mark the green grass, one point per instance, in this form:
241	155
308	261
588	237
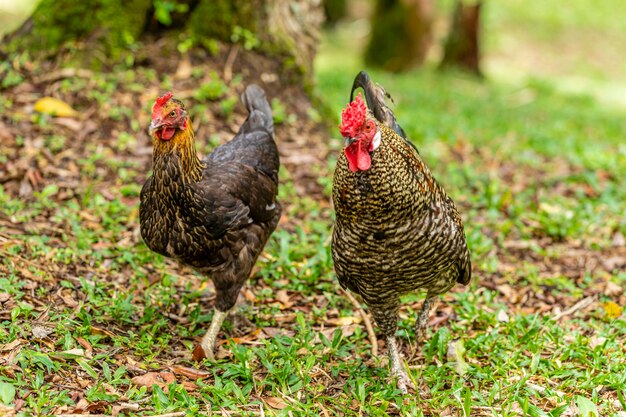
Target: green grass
538	177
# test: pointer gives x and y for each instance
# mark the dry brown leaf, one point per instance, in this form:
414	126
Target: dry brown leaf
502	316
101	331
595	341
161	379
283	297
191	373
346	331
249	339
189	386
275	402
6	411
72	124
86	345
344	321
11	345
198	353
612	289
41	332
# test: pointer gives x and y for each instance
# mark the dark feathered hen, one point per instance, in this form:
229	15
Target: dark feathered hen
216	214
396	229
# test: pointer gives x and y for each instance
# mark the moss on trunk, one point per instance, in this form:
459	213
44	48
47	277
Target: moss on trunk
102	32
217	18
103	29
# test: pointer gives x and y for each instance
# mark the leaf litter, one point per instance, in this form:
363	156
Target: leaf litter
98	150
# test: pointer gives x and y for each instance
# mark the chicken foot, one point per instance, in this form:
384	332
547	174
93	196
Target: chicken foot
397	367
208	340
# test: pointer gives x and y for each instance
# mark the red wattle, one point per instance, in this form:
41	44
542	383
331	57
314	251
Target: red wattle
167	133
364	160
350	153
358	157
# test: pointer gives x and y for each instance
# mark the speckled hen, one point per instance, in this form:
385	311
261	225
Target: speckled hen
215	214
396	229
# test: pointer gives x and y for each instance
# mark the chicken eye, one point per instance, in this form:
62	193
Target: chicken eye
368	127
173	113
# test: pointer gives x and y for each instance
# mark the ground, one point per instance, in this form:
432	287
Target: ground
93	322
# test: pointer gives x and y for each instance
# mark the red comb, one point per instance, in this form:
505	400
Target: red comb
162	100
352	117
159	103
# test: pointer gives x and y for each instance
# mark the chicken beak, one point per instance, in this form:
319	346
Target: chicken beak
347	141
154	126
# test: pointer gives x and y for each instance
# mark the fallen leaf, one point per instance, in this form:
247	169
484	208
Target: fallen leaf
596	341
161	379
41	332
275	402
11	345
344	321
283	297
190	373
502	316
54	107
86	345
612	310
249	339
69	354
100	331
117	409
189	386
6	411
611	289
198	353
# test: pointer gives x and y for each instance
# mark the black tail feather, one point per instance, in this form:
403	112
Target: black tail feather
375	98
258	107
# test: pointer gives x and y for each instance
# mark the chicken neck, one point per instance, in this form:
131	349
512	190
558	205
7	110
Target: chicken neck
177	158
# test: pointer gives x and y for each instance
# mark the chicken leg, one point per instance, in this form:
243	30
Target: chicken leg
208	340
422	320
397	367
386	317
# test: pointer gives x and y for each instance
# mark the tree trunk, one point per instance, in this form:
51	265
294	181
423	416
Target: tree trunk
401	34
101	33
335	10
462	48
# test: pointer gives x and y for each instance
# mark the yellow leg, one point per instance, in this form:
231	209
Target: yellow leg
208	341
397	367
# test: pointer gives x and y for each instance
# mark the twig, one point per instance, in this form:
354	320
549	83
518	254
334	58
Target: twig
63	73
366	321
81	415
578	306
230	60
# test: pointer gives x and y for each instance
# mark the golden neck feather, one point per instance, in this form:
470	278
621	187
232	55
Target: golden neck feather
180	150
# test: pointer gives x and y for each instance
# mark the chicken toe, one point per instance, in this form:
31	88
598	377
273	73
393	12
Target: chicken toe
208	341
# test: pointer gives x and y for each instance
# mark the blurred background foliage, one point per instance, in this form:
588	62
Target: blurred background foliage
573	43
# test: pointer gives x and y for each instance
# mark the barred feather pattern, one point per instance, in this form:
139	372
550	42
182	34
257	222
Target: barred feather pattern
396	230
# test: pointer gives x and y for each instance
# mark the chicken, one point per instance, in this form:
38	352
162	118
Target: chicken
396	230
215	214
